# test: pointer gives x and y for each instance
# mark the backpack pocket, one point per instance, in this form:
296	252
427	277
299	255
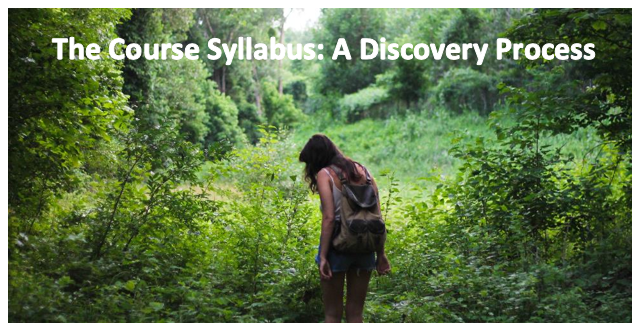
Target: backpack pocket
376	226
358	226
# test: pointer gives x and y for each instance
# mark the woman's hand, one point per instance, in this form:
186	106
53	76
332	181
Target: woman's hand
324	269
383	265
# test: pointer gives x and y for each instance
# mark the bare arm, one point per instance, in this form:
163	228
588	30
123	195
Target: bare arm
383	265
381	252
327	209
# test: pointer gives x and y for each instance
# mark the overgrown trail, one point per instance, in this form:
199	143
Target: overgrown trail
153	191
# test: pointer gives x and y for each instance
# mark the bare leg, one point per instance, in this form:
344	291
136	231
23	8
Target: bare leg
357	289
333	297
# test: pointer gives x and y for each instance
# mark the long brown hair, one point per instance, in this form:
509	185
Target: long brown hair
318	153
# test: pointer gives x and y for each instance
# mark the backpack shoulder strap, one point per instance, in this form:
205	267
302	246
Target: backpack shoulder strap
368	177
339	173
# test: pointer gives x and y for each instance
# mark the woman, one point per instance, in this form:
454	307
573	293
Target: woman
334	267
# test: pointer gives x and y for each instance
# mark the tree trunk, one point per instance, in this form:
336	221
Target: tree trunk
257	89
223	82
284	17
280	69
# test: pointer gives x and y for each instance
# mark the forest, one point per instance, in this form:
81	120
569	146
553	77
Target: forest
170	190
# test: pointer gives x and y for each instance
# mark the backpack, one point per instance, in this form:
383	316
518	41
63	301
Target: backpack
360	228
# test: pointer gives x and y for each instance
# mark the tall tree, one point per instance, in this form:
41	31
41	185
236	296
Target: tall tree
167	92
284	18
58	109
347	76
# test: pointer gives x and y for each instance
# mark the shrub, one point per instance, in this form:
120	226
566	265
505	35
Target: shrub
467	89
279	109
364	103
223	117
297	89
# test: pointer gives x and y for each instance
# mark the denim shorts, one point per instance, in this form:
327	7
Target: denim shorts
340	262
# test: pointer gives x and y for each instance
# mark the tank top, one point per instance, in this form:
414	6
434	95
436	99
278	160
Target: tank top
336	194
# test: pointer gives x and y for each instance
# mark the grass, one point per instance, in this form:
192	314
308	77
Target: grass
416	145
413	146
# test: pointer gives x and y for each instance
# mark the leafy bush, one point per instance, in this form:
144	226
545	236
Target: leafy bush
279	109
323	105
223	117
249	118
58	108
464	89
119	219
270	238
362	104
297	89
344	76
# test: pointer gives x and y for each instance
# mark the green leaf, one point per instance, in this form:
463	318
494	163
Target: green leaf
156	306
599	25
130	285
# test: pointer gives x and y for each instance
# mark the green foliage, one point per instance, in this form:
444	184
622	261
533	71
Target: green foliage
279	109
228	25
363	103
270	237
600	93
456	85
297	89
348	76
463	27
467	89
520	207
249	118
524	215
414	146
177	92
408	81
223	116
116	237
58	109
417	145
178	100
323	105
